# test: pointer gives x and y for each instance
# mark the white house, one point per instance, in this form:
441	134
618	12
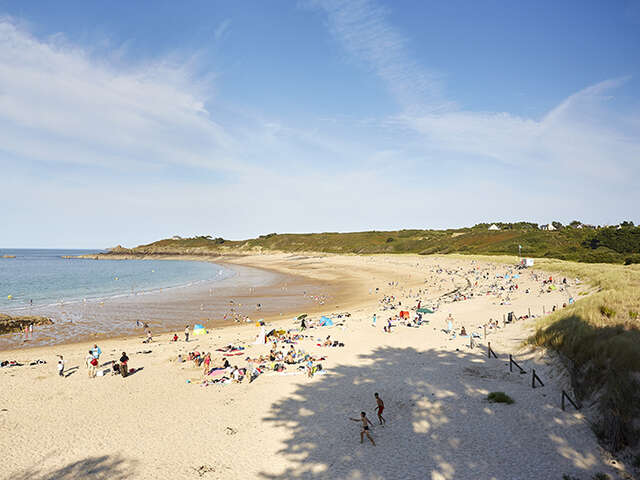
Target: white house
547	227
494	227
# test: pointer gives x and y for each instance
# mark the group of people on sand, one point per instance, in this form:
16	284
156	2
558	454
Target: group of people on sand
365	422
92	362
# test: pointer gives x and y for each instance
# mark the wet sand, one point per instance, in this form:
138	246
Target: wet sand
212	304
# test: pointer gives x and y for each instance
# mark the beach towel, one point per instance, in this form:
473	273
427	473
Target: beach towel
199	330
424	310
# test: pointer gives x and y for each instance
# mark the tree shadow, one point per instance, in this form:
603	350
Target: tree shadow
439	422
94	468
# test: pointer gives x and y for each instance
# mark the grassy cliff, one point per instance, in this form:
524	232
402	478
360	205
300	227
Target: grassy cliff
601	245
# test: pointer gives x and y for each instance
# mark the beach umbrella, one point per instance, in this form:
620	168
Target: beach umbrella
199	330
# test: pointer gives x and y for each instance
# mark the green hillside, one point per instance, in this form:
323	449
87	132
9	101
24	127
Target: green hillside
587	244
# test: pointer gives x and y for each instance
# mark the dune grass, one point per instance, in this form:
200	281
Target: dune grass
599	336
608	245
500	397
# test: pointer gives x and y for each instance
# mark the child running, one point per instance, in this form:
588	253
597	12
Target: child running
380	409
365	427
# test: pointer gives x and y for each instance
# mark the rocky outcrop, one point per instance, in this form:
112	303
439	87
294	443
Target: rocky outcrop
9	324
119	250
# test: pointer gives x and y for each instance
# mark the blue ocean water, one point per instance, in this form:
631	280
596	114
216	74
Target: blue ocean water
45	278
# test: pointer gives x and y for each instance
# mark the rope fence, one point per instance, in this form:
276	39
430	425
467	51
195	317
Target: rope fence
535	378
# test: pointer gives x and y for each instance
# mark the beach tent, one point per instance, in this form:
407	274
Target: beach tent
199	330
424	310
326	322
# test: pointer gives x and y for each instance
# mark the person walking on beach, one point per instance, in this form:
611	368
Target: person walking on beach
60	366
186	334
379	409
365	427
374	320
88	361
96	351
124	370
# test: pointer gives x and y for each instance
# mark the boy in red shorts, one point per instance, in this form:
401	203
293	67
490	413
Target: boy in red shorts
380	409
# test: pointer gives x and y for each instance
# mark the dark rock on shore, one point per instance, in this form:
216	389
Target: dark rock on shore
9	324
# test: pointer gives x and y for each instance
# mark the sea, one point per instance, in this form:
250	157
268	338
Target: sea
40	278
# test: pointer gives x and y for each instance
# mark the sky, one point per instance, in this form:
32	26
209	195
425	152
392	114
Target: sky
128	122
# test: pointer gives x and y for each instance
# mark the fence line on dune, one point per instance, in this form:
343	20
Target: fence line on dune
535	378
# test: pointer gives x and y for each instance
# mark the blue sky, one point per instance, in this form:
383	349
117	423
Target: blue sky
128	122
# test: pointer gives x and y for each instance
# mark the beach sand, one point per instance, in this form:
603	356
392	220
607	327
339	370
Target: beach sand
154	424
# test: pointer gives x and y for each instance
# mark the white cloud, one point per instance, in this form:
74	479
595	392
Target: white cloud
362	29
58	105
93	154
581	137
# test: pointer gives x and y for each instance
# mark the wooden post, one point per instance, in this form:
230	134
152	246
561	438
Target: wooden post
485	331
510	363
565	394
529	316
489	349
535	377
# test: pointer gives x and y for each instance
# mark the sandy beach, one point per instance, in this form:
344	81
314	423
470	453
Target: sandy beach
164	422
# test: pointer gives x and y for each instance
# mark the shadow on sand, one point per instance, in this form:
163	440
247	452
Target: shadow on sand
93	468
439	423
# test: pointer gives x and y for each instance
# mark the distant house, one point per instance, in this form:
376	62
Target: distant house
494	227
548	227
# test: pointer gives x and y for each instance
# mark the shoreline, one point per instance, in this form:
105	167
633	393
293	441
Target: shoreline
232	288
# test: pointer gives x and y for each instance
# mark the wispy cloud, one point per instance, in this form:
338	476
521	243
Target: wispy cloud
362	28
144	150
57	105
222	29
581	136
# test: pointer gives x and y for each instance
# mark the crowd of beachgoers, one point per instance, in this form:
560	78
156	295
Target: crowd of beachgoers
416	334
300	347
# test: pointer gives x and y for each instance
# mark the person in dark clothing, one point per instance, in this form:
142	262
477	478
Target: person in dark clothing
124	370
